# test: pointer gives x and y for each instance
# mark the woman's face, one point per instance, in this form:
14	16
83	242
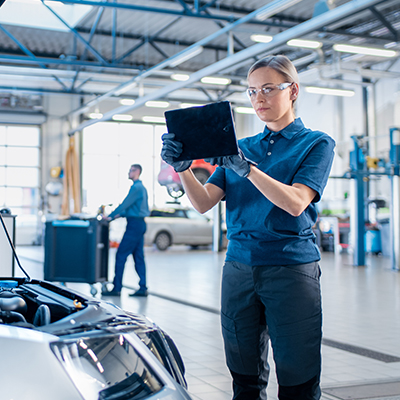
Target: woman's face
274	108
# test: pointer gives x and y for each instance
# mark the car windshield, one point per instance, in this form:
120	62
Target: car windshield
192	214
106	367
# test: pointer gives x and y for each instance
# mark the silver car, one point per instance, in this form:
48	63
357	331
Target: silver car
178	225
57	343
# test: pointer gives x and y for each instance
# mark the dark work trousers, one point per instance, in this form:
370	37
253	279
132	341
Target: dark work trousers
132	243
280	303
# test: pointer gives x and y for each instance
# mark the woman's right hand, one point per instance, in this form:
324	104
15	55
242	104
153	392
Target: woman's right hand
171	150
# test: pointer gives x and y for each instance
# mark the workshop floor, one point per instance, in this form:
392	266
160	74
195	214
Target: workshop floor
361	350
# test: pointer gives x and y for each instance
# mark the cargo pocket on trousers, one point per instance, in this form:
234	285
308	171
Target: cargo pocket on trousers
232	350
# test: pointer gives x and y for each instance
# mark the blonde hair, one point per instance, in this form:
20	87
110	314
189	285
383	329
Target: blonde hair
280	64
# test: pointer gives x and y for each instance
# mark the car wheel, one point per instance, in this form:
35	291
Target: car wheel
162	241
202	175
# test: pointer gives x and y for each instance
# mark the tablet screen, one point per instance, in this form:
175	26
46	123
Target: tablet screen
205	131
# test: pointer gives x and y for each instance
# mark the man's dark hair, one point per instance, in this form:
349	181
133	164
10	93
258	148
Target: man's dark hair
137	166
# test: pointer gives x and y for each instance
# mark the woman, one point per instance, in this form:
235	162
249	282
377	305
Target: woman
270	283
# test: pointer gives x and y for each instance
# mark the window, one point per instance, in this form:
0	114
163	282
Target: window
109	149
20	179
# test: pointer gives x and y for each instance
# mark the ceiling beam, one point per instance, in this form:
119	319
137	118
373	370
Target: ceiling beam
265	11
385	23
191	14
77	35
311	25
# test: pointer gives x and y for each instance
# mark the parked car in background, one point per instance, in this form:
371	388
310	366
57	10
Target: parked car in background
170	179
178	225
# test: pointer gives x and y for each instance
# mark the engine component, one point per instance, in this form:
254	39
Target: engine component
10	301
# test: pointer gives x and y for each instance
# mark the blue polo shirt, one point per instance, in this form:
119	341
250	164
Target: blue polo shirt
259	232
135	203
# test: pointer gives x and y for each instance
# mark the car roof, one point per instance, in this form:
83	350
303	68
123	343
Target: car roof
169	209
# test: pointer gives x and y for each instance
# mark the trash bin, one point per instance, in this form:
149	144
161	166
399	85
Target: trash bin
76	250
373	241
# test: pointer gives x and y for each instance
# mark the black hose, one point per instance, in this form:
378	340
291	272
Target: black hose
16	316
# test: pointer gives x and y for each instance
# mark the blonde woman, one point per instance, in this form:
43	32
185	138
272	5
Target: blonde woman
270	283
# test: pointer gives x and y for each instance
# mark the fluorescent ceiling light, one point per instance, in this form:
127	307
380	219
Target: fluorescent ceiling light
186	55
127	102
95	115
329	91
187	105
261	38
180	77
370	51
53	3
122	117
308	44
390	45
245	110
157	104
157	120
215	80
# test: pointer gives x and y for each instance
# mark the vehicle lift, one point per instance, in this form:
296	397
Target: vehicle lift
360	170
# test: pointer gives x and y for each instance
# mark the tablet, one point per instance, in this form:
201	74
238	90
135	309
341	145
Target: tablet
205	131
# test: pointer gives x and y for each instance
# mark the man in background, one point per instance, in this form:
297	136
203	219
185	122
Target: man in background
134	208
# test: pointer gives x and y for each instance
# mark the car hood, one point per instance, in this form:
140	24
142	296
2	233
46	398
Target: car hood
49	312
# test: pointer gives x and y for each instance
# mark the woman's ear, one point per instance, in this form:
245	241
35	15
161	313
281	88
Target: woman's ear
294	91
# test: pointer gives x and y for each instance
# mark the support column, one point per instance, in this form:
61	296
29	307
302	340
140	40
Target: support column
395	197
217	234
357	217
395	222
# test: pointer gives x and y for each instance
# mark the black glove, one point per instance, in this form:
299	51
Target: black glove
171	150
215	160
238	163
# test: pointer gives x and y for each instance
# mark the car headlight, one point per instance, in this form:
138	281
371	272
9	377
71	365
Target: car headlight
106	367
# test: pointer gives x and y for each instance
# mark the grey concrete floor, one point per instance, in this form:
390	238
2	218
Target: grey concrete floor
361	308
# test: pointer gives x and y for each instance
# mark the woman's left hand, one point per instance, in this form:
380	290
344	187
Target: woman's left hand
238	163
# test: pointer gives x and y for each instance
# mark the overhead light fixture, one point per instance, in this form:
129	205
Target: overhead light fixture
95	115
187	105
329	91
180	77
308	44
245	110
54	3
186	55
127	102
212	80
370	51
122	117
157	120
261	38
390	45
157	104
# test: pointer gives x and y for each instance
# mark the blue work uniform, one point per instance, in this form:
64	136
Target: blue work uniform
270	284
134	208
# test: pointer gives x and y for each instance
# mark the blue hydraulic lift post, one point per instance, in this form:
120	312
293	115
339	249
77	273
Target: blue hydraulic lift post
394	166
358	173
